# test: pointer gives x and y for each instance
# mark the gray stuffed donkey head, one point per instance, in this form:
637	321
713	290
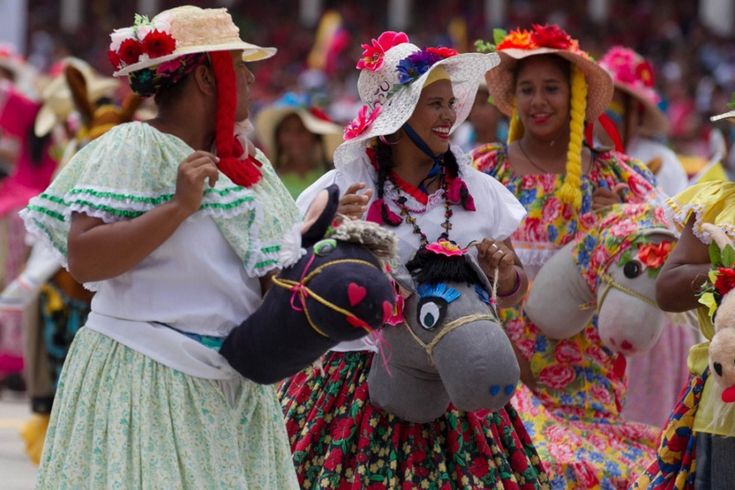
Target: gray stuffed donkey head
451	346
610	271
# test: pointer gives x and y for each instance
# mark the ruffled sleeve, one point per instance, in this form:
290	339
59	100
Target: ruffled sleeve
495	203
708	202
132	169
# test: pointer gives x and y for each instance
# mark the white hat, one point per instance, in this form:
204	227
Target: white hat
178	31
393	75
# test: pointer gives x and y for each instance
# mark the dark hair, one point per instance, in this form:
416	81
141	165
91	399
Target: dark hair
564	65
38	146
384	158
427	267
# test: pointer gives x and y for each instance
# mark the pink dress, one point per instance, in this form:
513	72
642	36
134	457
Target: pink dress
29	177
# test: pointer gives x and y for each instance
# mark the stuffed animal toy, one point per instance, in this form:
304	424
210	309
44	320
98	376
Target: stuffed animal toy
718	296
611	271
337	291
450	348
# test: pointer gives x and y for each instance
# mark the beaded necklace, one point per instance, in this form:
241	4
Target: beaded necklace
406	214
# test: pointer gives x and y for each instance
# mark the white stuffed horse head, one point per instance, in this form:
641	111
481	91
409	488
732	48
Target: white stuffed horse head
611	271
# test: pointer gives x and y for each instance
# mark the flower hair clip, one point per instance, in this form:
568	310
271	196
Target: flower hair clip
143	41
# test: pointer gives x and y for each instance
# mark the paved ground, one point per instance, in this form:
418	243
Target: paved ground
16	470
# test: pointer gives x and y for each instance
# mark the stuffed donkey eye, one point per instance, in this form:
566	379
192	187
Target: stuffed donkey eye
431	312
632	269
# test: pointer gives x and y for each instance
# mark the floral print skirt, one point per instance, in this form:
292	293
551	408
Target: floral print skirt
581	452
340	440
122	420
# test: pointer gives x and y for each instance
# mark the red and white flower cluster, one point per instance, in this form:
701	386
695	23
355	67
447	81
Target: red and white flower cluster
143	41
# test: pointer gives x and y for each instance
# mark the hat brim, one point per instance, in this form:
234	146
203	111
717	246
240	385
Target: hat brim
268	120
725	115
654	121
58	103
250	52
500	80
465	71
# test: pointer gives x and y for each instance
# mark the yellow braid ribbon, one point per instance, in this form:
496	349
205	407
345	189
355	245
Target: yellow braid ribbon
571	191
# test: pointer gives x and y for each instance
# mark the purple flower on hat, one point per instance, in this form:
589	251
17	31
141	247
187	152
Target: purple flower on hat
416	64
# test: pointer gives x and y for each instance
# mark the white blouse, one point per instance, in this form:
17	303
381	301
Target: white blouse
498	213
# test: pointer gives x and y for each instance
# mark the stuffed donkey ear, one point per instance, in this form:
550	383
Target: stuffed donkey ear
78	87
400	274
319	227
129	106
559	292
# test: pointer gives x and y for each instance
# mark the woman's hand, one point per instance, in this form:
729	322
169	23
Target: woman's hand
495	255
352	204
602	197
512	281
193	171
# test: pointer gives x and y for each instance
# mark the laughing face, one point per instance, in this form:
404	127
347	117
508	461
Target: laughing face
542	96
435	115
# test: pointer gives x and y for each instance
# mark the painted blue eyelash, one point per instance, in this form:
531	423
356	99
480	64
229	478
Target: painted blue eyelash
484	296
439	290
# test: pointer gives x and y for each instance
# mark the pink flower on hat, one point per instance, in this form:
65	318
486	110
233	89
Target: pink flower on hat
372	54
365	118
629	68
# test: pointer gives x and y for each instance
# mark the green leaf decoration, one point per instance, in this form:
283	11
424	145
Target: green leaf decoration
141	20
731	104
499	35
728	256
715	257
484	46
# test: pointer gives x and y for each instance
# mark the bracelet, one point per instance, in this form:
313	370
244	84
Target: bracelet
515	289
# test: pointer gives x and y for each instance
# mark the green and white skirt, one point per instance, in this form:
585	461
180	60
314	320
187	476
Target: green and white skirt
122	420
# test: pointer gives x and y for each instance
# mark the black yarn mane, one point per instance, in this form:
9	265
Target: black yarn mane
429	268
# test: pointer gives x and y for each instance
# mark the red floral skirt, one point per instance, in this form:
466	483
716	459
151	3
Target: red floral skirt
340	440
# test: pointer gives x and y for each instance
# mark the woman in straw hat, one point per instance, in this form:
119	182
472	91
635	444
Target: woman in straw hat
299	139
630	122
396	168
698	441
633	118
549	87
176	240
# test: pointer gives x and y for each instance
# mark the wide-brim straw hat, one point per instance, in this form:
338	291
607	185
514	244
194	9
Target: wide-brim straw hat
57	98
195	30
500	82
381	88
633	75
269	118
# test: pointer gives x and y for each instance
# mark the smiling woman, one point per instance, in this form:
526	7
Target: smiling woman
397	168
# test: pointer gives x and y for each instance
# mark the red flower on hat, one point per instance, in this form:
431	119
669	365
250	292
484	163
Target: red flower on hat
725	280
319	114
654	255
442	51
644	73
158	43
373	53
129	52
362	122
114	59
551	36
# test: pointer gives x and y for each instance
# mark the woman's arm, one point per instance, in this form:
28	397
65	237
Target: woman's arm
98	251
683	274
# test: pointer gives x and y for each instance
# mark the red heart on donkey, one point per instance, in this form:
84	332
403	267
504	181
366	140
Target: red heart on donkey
355	293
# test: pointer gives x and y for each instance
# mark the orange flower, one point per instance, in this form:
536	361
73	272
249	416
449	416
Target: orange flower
654	255
519	39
